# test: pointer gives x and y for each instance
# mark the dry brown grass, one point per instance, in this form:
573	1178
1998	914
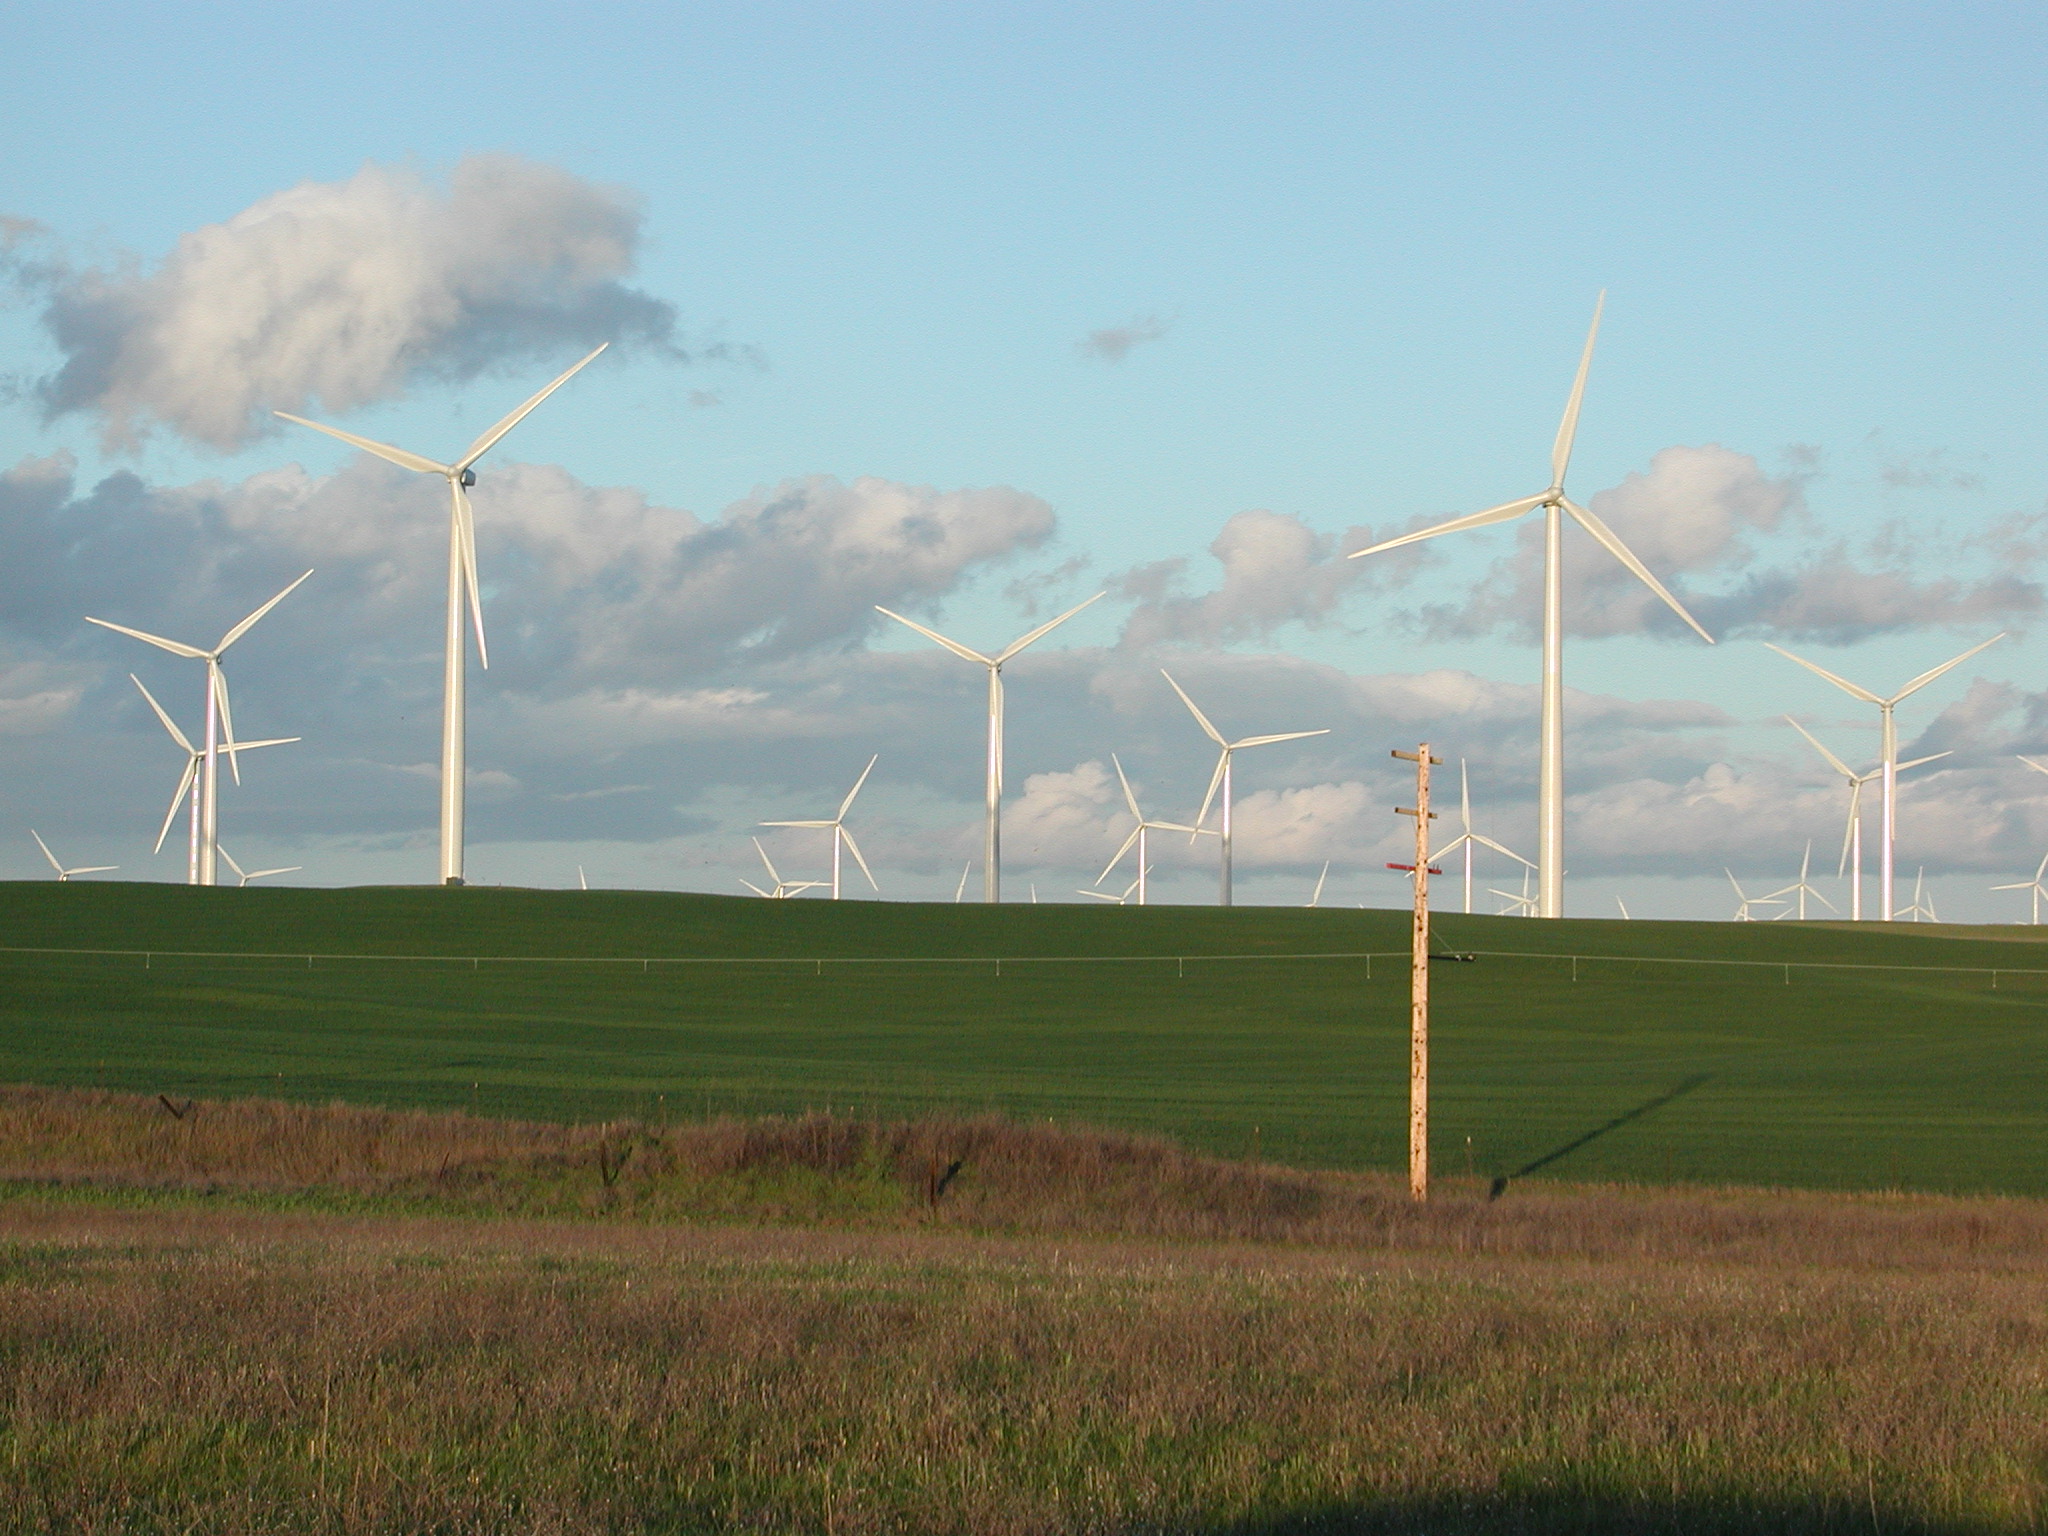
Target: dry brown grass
1013	1176
1088	1333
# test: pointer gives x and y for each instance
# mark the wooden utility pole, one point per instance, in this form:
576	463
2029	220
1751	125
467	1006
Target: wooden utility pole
1418	1007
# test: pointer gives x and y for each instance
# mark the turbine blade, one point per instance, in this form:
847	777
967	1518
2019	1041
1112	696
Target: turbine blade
1507	511
795	823
176	648
1916	762
219	681
1834	762
2038	768
32	832
251	746
1200	719
1129	799
288	869
244	627
93	869
1453	846
1176	826
1819	671
1126	846
1266	741
1464	795
398	456
1561	450
847	804
1626	556
1816	895
764	859
1849	826
1932	673
483	444
854	848
932	634
1216	778
169	724
465	520
231	862
1502	848
1044	629
756	889
177	800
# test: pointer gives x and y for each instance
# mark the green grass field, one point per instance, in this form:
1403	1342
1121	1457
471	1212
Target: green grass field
1191	1021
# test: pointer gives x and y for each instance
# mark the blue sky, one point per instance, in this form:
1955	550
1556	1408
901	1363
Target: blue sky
1369	239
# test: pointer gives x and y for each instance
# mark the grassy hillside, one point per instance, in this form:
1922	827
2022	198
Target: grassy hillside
1926	1078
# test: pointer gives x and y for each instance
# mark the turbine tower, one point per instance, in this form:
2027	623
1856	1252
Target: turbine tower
1556	507
1888	749
1467	838
1852	829
194	757
64	874
991	844
1137	837
220	722
839	836
1226	750
462	584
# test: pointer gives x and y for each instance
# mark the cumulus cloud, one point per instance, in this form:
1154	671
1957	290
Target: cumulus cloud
1276	570
1114	343
332	295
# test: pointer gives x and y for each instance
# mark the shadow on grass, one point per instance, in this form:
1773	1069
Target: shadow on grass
1501	1181
1597	1514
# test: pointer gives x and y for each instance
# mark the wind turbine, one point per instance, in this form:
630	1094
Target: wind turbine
257	874
1852	829
462	582
1556	507
220	722
2033	886
1468	837
1222	776
1745	913
784	889
64	874
1800	887
1523	905
1922	909
839	833
1112	896
1137	837
194	756
991	847
1316	900
1888	747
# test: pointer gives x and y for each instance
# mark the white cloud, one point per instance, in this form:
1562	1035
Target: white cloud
1114	343
332	295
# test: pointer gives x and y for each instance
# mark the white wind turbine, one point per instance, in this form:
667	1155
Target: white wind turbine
1226	750
1556	507
840	836
1523	905
1746	912
1467	838
1137	838
1888	749
2034	887
991	847
1801	888
257	874
64	874
1922	910
189	781
1852	829
784	889
220	722
462	583
1112	896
